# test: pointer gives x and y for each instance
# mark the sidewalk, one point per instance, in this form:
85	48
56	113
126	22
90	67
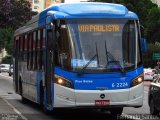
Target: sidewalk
5	108
7	112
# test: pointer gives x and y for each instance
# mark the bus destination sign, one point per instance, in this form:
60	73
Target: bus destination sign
98	28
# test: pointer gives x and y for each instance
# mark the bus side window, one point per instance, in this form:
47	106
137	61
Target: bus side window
20	42
35	37
31	52
39	51
28	41
32	60
18	47
43	47
23	45
25	48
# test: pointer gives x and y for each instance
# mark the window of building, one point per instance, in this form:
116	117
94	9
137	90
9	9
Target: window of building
36	1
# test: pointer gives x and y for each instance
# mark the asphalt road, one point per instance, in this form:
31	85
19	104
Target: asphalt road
11	107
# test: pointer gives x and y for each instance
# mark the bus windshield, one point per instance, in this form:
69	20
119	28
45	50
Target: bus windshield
113	43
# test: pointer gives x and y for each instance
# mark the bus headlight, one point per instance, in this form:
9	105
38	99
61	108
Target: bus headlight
62	81
137	80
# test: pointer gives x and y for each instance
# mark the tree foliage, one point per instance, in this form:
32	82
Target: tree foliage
13	14
153	25
6	39
7	60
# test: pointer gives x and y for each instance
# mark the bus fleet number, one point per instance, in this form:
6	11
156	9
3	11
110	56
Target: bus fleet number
119	85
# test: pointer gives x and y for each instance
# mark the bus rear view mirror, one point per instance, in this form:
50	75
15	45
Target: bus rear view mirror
143	40
144	45
142	31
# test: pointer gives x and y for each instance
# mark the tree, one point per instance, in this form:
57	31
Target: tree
153	25
6	39
13	14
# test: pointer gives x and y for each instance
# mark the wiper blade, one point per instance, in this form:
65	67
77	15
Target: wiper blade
96	55
109	55
88	63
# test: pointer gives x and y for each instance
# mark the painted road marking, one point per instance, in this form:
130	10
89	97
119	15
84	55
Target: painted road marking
15	110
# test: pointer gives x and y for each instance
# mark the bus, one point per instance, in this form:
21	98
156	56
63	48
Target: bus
81	55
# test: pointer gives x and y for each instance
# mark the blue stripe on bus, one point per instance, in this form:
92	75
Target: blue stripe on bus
110	81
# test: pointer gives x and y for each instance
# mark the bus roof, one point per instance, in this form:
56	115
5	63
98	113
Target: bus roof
79	10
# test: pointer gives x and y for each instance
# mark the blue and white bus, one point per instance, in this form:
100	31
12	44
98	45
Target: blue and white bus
81	55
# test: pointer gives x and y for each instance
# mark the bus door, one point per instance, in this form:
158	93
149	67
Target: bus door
49	64
15	62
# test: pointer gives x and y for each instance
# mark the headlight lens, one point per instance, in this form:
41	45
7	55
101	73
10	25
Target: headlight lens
137	80
62	81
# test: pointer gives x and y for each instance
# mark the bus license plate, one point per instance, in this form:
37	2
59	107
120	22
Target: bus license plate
102	102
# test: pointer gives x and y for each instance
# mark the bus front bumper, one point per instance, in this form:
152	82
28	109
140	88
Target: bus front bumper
66	97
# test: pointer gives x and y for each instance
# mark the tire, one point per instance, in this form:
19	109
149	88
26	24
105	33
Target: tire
23	100
116	111
41	97
153	110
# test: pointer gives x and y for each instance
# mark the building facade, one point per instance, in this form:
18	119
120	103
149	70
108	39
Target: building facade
39	5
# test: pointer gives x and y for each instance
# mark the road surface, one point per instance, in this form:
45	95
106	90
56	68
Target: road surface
11	107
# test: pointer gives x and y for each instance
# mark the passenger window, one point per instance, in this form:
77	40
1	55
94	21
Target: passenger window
64	50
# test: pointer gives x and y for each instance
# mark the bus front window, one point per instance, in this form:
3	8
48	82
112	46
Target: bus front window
104	45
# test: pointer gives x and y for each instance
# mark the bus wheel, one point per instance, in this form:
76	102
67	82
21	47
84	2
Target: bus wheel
24	100
41	97
116	111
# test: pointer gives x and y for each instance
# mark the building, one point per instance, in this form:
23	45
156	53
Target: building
157	2
39	5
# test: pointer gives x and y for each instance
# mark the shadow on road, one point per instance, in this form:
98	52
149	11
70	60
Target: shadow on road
69	114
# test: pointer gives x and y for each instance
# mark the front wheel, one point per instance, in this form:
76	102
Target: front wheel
24	100
116	111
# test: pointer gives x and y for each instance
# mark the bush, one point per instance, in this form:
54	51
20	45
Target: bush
147	58
7	60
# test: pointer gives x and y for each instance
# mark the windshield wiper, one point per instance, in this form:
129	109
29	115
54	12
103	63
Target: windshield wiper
108	54
85	66
82	71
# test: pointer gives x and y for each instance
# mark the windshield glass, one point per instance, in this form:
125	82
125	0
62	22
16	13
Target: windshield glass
113	43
